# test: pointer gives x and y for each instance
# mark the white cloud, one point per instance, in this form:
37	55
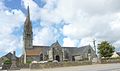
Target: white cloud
9	43
2	5
98	19
91	18
68	42
34	9
30	3
10	21
98	6
117	45
86	41
45	36
50	17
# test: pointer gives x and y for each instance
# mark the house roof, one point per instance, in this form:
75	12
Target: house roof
9	56
115	54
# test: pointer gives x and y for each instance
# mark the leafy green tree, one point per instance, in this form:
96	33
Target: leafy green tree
105	49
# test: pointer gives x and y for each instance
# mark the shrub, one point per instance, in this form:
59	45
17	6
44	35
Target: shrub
8	62
28	62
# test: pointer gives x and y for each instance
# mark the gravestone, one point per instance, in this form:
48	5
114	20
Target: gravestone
95	60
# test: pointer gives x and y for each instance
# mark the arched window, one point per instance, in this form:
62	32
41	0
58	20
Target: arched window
66	55
89	54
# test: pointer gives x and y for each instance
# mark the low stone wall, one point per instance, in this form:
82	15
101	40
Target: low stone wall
6	66
24	66
110	60
58	64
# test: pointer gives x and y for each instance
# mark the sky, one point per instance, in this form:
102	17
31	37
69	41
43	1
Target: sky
74	23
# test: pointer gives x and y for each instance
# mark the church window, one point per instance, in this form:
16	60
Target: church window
89	51
66	56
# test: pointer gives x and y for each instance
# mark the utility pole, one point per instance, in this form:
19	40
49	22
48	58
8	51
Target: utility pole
94	43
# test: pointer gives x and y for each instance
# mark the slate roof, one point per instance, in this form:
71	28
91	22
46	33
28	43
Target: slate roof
9	55
118	53
35	46
37	50
77	50
55	44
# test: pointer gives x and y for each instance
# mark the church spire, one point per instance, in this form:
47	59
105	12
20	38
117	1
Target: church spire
28	12
27	21
28	34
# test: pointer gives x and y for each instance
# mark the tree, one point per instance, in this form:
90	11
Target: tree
105	49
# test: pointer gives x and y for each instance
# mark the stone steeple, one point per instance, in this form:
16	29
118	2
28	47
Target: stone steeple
28	34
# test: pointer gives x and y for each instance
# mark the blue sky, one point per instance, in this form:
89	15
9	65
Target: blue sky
73	23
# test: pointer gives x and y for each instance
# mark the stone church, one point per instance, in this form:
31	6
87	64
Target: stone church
53	52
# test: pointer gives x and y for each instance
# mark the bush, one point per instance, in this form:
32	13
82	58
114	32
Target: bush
8	62
28	62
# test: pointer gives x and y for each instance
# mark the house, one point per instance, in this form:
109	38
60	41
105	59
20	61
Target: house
115	55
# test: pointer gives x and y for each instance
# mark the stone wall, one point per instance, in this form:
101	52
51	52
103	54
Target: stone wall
111	60
58	64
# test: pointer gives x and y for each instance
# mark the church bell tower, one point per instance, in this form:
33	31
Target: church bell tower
28	34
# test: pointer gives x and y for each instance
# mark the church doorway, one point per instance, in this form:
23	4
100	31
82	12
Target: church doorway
57	58
73	58
41	57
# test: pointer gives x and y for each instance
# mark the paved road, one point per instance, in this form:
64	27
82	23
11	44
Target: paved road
95	67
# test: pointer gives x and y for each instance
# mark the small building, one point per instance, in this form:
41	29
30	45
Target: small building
115	55
8	56
5	57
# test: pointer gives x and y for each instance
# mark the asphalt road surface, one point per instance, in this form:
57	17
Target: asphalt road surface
95	67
